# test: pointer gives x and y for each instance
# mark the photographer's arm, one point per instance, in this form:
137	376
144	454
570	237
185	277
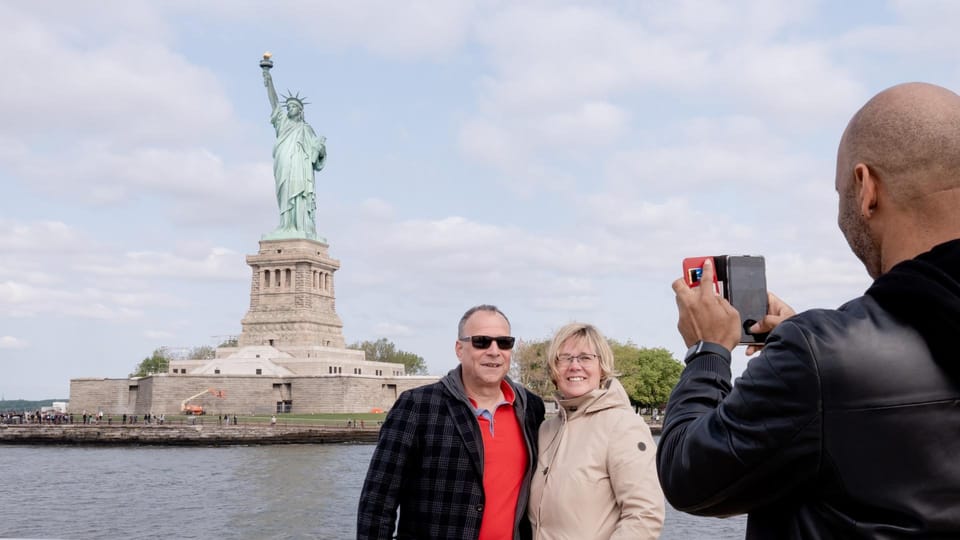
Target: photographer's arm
728	449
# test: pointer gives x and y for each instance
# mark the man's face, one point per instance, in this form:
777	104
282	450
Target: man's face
484	367
852	223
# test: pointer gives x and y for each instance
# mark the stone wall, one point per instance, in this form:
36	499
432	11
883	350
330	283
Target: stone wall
163	394
346	394
112	396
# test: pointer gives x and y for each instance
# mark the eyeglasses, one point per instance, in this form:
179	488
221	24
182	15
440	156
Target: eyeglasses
585	359
505	343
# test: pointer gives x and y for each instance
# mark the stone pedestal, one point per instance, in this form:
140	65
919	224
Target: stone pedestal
292	300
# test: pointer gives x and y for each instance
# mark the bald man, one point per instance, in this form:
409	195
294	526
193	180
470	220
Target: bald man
847	424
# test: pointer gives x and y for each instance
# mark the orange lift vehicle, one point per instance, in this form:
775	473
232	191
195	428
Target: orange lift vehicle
197	410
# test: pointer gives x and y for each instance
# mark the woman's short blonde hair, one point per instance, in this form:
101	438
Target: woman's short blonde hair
581	332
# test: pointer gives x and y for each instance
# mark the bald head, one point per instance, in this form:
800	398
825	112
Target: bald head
909	137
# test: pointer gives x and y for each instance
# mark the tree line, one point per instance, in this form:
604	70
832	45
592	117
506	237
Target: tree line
26	405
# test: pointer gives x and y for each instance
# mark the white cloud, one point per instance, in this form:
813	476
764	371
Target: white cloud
19	237
377	209
218	264
406	31
588	124
123	83
545	56
200	187
921	32
10	342
102	111
158	334
799	85
487	141
392	29
57	273
23	300
575	80
393	330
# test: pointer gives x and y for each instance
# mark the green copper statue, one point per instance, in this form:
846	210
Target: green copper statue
297	153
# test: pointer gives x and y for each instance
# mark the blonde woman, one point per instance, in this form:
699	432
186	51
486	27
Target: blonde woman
596	471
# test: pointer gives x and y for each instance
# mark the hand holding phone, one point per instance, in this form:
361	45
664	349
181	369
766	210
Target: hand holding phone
741	279
777	312
703	313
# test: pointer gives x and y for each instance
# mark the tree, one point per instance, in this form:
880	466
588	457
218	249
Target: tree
529	366
383	350
158	362
203	352
648	375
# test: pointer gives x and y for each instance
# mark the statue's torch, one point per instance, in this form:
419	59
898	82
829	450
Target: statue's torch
266	63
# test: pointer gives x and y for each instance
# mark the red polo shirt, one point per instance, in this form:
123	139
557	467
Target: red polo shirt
504	464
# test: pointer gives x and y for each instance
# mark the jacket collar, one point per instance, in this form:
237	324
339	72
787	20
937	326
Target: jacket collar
924	292
610	394
464	418
453	382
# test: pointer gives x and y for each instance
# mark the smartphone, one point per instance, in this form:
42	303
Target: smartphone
742	280
746	290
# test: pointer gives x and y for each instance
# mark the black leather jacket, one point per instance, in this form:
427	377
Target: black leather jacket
843	427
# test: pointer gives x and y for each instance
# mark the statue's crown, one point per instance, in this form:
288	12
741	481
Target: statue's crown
302	100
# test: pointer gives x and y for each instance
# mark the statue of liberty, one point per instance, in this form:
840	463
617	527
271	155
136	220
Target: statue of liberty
297	153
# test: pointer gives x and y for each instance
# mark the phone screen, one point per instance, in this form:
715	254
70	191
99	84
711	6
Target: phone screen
746	288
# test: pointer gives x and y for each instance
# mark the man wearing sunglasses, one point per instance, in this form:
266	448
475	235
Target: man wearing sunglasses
457	456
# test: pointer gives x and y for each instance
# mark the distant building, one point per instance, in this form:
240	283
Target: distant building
290	356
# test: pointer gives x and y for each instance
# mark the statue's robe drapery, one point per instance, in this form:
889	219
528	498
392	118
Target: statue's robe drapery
297	153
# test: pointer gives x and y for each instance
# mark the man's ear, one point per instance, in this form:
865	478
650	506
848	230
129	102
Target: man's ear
867	189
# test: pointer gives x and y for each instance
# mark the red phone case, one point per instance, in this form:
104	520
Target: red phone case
692	268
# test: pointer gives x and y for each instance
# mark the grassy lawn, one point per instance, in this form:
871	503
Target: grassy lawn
332	420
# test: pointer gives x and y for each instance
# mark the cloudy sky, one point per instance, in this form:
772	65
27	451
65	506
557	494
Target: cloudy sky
555	158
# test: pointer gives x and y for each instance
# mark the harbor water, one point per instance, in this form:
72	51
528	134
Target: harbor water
256	492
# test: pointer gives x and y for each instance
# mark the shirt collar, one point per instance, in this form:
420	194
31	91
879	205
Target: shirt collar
508	396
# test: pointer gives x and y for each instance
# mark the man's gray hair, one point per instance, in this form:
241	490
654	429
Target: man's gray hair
474	309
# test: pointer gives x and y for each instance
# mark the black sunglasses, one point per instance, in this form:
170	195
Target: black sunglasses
505	343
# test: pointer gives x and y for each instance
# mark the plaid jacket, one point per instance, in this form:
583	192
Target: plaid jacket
429	463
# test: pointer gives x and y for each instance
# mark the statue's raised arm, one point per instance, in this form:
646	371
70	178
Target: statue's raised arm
297	153
266	64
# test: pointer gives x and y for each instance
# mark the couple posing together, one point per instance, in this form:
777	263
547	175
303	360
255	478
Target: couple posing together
460	457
